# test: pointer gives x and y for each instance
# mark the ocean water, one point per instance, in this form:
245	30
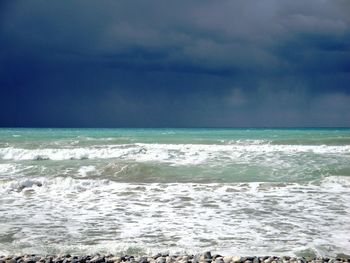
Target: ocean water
143	191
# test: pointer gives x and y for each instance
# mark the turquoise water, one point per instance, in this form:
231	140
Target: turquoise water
314	136
234	191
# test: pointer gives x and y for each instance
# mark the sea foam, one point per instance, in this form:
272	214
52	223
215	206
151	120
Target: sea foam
227	218
176	153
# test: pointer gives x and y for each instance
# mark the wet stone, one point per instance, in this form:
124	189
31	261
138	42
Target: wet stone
116	259
96	259
236	259
57	260
207	257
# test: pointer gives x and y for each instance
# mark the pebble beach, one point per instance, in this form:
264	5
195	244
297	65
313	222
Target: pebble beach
207	257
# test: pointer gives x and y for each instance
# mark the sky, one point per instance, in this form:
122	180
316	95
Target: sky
159	63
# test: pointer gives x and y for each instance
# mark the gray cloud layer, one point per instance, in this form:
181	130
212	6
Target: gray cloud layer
175	63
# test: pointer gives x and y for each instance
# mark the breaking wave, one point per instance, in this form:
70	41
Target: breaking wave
174	153
227	218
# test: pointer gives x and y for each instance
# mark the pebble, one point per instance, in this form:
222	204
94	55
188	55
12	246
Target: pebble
236	259
141	260
206	257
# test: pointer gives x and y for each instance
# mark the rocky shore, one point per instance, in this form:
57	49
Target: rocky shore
207	257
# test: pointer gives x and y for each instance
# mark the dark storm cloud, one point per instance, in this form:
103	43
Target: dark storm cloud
175	63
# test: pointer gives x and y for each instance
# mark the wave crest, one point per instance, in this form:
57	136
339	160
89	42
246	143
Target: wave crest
173	153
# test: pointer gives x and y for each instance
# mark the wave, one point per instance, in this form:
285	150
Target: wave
60	184
14	169
174	153
86	170
331	141
235	218
69	183
8	168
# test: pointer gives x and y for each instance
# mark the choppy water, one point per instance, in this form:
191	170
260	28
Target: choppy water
233	191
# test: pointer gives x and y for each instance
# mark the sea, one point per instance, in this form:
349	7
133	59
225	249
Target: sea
178	191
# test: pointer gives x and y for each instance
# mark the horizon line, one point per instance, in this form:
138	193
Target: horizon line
178	127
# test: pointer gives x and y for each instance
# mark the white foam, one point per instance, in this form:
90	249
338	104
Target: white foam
21	185
57	184
86	170
239	218
337	183
178	154
7	168
249	142
13	169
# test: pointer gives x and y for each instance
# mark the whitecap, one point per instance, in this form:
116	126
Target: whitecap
237	218
180	154
86	170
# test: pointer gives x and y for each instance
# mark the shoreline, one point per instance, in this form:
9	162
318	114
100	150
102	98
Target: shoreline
207	257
